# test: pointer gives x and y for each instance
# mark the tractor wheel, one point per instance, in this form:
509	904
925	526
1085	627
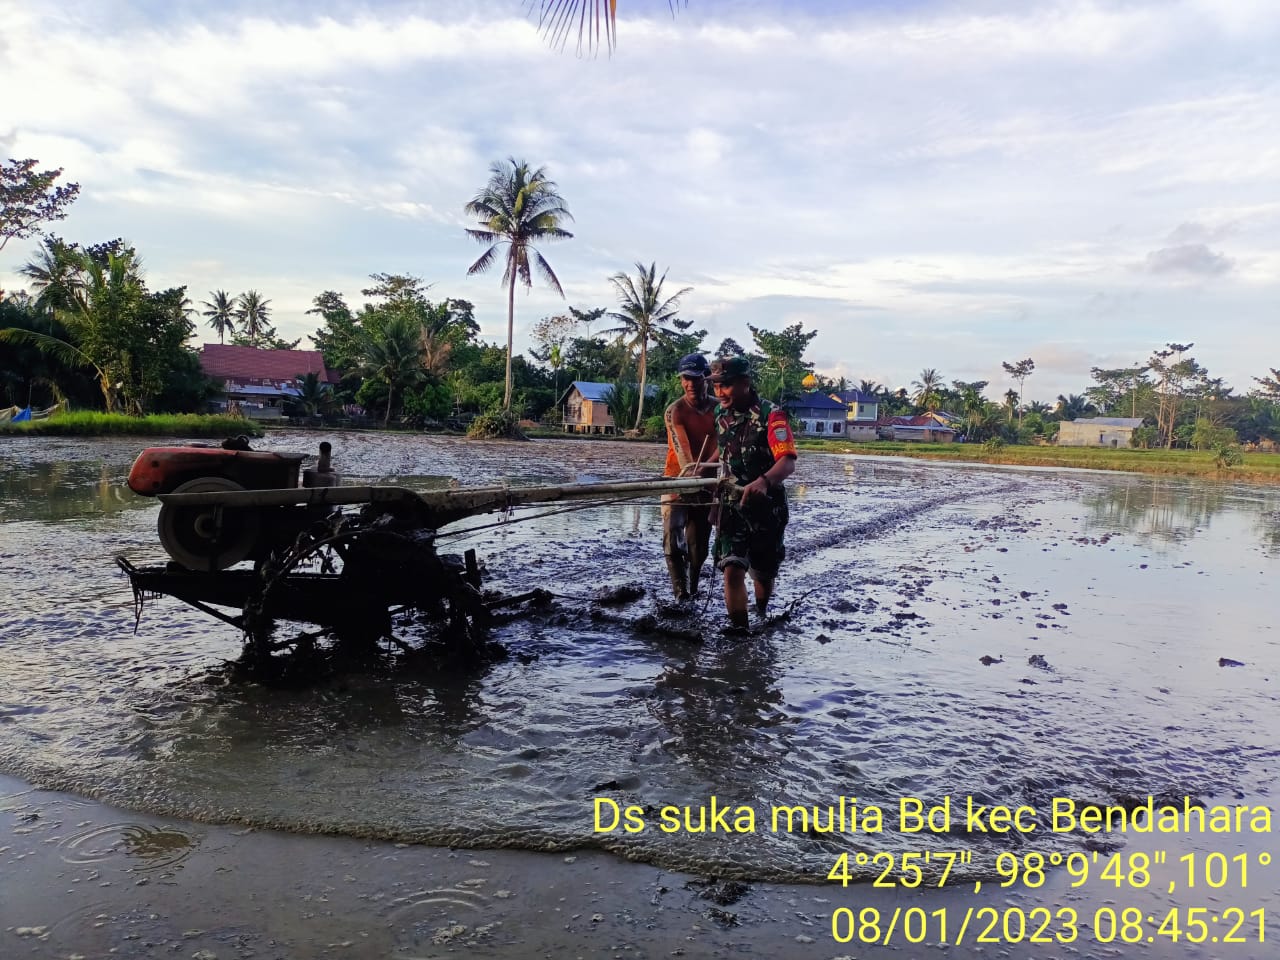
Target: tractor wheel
208	538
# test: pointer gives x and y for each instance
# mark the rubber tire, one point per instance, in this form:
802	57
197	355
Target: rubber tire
187	533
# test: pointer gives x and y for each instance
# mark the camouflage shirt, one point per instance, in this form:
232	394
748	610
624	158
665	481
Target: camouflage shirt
752	440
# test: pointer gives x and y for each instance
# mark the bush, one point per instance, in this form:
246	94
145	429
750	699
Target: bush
994	445
496	424
1206	436
1228	455
1143	438
655	426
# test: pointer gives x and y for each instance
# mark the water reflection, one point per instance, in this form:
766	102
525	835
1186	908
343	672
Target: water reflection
63	490
719	708
1169	510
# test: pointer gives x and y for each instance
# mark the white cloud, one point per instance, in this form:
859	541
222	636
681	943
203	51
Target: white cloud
924	187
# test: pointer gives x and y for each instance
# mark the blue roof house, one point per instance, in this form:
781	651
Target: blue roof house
817	414
586	409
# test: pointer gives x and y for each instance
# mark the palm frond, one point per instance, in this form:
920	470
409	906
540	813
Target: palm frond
485	262
594	21
59	350
547	273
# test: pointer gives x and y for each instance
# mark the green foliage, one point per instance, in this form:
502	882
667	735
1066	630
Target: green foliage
28	197
655	426
1227	455
594	360
186	389
89	424
1205	435
429	401
339	339
622	398
994	445
1033	425
1144	437
784	366
496	424
132	339
1269	387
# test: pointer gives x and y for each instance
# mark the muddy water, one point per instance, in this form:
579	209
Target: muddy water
1011	635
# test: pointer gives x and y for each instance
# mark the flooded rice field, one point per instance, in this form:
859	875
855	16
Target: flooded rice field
1011	635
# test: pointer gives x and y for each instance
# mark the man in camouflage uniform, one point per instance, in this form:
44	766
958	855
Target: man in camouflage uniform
757	450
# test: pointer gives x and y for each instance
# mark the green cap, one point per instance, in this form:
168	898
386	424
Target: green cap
724	369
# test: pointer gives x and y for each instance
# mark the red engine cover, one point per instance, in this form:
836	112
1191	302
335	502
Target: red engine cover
161	469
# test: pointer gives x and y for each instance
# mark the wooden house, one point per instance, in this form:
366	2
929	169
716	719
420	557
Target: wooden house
585	406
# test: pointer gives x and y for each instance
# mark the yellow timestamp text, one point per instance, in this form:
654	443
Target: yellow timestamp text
1047	925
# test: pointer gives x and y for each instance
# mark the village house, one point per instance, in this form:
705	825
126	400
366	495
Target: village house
862	410
585	406
1098	432
817	414
933	427
257	382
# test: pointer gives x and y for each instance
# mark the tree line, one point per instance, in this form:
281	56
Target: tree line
94	333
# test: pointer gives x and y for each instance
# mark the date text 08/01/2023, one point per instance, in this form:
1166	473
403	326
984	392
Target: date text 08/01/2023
1047	925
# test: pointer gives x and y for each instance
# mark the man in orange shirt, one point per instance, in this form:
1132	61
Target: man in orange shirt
686	518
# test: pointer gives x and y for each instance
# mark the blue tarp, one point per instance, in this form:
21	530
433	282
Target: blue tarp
21	415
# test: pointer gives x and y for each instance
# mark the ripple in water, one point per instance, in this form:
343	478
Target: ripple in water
146	847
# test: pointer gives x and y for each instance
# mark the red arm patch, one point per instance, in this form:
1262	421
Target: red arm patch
781	442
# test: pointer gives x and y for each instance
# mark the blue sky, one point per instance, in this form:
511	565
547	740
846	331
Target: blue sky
926	184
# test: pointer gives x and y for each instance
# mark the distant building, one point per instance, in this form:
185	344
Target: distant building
256	381
816	414
1098	432
862	410
586	406
933	427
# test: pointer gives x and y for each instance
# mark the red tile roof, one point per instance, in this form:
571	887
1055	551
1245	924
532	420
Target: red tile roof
227	362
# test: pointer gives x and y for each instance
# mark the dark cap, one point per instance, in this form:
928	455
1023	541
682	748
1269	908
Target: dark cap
693	365
725	369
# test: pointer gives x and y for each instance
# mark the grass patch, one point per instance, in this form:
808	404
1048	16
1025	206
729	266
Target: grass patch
87	424
1263	467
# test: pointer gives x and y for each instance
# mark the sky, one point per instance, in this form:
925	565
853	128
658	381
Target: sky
946	185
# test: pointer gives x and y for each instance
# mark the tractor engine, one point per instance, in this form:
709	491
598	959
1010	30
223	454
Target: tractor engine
209	537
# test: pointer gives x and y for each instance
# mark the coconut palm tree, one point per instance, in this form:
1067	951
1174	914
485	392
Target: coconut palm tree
101	317
221	313
393	355
517	207
314	396
643	316
928	389
1072	407
252	312
55	274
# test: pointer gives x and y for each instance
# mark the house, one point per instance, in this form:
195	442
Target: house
817	414
862	411
585	406
1098	431
255	381
932	427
